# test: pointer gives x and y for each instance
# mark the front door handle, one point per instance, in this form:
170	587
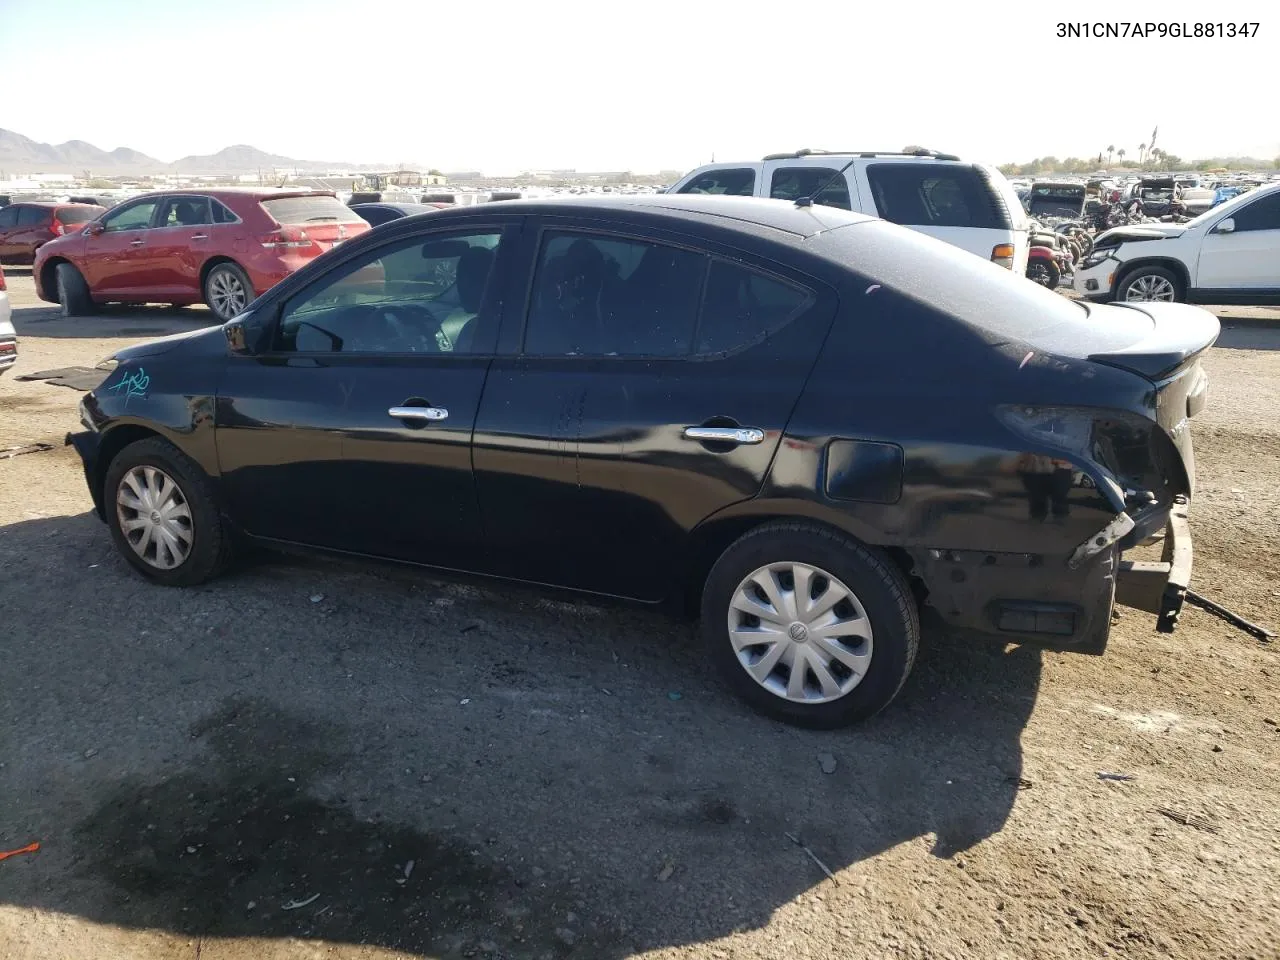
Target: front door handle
418	413
200	236
136	243
724	434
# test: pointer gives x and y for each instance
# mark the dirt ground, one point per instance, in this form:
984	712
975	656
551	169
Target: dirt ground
307	759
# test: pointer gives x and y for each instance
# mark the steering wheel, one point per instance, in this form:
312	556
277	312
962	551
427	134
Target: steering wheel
412	327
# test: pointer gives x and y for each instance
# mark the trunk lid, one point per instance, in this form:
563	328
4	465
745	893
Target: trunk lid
326	220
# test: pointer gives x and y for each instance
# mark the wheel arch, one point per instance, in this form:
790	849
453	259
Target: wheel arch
1172	264
710	538
218	258
109	447
48	281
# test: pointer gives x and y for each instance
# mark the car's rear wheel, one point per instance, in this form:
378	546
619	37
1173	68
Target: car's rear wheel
73	293
808	626
1149	285
227	290
163	514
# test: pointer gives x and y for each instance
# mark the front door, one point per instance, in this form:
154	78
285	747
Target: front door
650	388
116	257
1247	258
353	432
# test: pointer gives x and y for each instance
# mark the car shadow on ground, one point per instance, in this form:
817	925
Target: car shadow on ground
357	755
110	321
1247	333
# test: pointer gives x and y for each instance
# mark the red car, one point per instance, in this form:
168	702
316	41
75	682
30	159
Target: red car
222	247
26	227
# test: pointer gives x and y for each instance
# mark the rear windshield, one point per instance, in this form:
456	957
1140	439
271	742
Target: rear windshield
936	195
77	214
996	304
291	211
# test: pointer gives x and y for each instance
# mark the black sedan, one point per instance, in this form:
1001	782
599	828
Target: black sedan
376	214
809	426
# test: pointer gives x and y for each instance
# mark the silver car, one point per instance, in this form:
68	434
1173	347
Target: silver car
8	336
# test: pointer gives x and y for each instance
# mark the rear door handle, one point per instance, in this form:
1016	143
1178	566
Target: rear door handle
725	434
200	236
136	243
418	413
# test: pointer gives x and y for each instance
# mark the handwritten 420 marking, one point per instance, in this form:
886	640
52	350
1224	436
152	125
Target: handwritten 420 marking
133	385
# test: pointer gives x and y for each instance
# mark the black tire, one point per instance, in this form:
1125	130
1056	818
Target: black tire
211	544
1045	273
1138	274
879	587
232	273
73	293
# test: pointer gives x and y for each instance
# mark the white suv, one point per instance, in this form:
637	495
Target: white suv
8	339
1227	255
969	205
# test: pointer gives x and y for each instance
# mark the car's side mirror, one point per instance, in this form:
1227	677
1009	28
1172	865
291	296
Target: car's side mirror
237	340
1226	226
93	228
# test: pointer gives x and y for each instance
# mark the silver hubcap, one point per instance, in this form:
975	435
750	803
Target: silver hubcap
1147	289
226	293
800	633
154	517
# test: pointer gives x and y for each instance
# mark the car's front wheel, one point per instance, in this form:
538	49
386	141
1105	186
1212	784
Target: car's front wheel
808	626
163	514
1149	285
73	293
227	290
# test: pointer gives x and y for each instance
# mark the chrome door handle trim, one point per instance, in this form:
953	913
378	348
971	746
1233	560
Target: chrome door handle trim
136	243
725	434
418	413
200	236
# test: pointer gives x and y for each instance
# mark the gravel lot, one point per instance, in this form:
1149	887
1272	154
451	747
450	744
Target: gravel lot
460	772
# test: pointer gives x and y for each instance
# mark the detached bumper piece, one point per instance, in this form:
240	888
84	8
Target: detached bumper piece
1161	587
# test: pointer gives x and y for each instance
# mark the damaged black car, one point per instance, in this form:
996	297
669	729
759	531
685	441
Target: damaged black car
806	427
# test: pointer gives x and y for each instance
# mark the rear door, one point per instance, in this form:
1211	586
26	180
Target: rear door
31	230
353	432
959	203
178	245
647	389
1247	258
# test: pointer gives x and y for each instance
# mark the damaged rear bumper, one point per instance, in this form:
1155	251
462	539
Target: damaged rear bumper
1160	587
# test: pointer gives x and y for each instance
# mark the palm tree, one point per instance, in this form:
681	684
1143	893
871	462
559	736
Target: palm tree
1110	150
1142	154
1120	154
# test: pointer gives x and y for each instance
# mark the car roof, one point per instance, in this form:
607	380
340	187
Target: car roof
742	213
255	193
407	208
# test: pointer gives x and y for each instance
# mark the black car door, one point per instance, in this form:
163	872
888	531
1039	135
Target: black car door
353	430
648	389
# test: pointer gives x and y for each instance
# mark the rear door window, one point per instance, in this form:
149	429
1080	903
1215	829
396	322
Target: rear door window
606	296
743	307
33	216
185	212
221	214
738	182
296	211
936	195
792	183
8	217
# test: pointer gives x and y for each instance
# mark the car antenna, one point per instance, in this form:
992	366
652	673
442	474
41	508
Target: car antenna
808	201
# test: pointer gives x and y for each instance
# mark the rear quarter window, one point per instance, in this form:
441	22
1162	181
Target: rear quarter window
937	195
293	211
729	183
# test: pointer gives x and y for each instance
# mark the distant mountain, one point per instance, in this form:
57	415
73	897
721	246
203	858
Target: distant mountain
19	154
243	158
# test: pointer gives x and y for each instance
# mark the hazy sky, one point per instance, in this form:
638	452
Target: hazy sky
604	85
